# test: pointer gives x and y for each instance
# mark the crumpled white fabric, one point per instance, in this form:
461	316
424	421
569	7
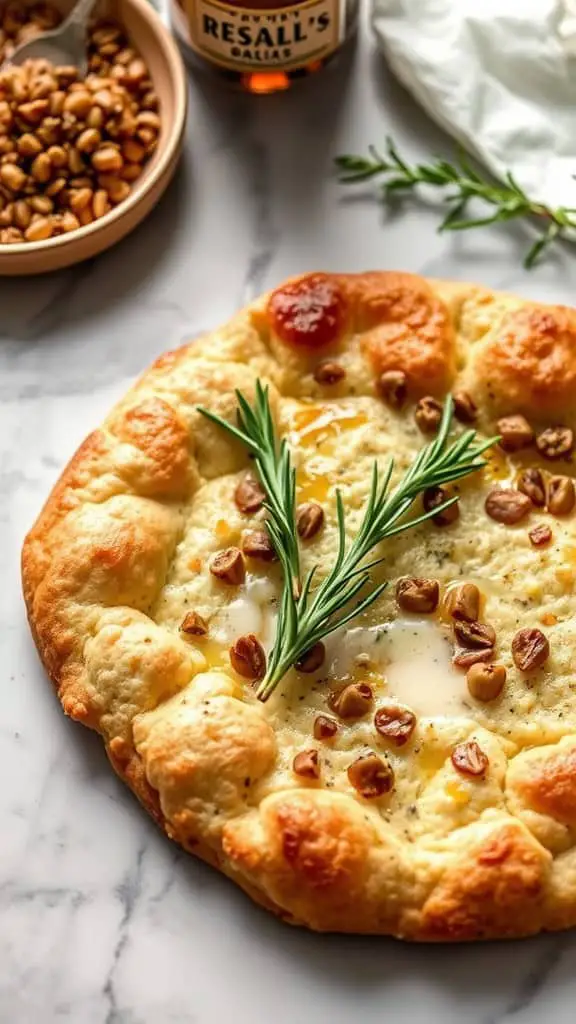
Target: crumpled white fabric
498	75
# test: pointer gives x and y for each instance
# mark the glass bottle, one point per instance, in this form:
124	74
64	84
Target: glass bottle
263	46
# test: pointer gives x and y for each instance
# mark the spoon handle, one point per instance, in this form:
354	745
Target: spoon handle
77	20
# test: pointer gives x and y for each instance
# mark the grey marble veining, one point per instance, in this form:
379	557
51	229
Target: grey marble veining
102	921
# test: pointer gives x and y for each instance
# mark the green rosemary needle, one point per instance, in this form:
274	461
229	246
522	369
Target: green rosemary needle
507	201
309	613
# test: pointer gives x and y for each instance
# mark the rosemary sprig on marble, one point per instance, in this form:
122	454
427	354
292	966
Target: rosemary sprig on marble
309	613
506	201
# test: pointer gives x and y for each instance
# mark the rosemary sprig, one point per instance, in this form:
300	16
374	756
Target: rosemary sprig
308	615
507	201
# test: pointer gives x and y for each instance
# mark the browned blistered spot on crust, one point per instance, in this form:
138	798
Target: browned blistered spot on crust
494	889
406	327
549	785
529	365
154	428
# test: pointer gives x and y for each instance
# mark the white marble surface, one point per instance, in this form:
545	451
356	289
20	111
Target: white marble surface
102	921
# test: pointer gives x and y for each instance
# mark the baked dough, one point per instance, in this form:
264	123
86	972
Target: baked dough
121	553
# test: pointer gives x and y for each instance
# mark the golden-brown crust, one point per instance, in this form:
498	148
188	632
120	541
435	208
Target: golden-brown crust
205	761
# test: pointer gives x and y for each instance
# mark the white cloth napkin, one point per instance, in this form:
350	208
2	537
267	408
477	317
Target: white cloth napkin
498	75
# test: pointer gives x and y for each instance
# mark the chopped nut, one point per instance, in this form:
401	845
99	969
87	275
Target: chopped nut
414	594
428	415
370	776
540	535
435	496
485	682
393	387
325	728
193	624
257	544
306	764
515	433
555	442
354	701
395	723
469	759
530	649
561	495
464	407
309	519
463	602
329	372
506	505
228	566
475	635
531	483
311	660
463	658
247	657
249	494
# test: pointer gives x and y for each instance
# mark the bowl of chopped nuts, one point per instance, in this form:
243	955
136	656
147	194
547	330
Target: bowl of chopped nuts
84	159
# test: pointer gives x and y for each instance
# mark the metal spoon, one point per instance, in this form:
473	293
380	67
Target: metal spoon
63	45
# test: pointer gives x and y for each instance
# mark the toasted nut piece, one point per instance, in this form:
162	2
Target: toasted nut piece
506	505
148	119
41	168
463	658
306	764
555	442
11	236
100	204
78	103
328	372
133	152
312	659
55	187
428	414
69	222
193	624
475	635
393	388
228	566
248	658
131	171
531	483
34	111
117	190
56	102
435	496
415	594
28	145
354	701
249	494
469	759
561	495
465	409
41	204
75	162
485	682
530	649
325	728
39	230
463	602
95	118
80	199
107	160
540	535
515	433
395	723
370	776
57	156
257	544
22	214
88	140
309	519
12	176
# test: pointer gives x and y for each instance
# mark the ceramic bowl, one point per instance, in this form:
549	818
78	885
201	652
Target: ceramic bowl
157	47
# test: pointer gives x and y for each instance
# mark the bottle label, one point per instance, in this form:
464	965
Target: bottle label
246	39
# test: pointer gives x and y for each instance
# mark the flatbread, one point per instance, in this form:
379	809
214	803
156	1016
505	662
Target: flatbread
121	555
